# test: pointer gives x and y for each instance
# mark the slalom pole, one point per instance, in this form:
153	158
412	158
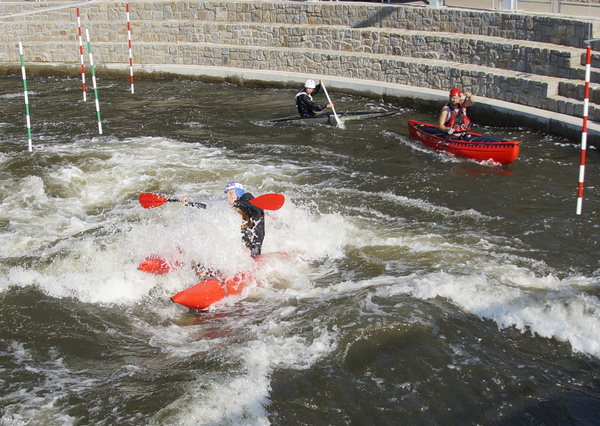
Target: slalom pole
588	60
27	119
89	46
81	54
129	46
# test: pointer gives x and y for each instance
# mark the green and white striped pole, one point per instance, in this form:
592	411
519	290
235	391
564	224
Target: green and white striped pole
28	120
89	46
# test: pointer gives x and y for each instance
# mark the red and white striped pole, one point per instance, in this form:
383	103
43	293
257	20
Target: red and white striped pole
588	61
129	46
27	119
81	54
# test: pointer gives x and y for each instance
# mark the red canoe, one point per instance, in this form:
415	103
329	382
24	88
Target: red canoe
476	147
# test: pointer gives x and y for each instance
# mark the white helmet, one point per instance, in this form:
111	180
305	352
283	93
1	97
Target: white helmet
310	84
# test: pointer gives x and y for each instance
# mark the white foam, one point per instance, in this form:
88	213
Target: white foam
242	395
514	297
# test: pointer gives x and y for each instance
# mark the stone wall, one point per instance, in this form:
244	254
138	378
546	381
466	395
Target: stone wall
518	26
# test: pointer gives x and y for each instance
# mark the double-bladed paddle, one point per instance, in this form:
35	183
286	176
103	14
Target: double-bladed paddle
149	200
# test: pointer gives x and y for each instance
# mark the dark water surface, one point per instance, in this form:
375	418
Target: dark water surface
417	288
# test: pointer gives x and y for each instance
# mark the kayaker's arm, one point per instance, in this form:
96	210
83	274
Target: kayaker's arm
443	119
469	100
317	90
190	202
250	209
311	105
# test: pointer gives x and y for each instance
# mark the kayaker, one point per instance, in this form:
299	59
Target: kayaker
304	101
253	225
453	118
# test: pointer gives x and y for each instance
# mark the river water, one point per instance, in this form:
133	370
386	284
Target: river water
416	288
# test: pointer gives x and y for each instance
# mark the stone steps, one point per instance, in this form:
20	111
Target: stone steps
513	57
572	107
507	85
576	90
495	52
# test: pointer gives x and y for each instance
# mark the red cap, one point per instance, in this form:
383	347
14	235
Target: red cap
455	92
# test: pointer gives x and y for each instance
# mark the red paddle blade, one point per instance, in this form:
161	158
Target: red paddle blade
149	200
268	201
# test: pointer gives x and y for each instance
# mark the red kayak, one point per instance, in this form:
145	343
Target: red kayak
476	147
203	294
211	290
155	264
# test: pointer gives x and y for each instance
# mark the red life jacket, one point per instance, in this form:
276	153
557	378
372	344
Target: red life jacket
457	119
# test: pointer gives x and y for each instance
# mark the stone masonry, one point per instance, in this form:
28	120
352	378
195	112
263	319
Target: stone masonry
526	59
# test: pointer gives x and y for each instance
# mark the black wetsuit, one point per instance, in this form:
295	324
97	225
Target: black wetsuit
305	104
253	228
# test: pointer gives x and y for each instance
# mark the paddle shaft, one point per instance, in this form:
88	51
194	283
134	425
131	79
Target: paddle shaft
190	203
337	119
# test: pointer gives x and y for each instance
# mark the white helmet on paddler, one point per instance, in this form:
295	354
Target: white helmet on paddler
310	84
238	187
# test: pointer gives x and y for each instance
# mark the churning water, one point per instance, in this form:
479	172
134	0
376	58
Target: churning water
417	288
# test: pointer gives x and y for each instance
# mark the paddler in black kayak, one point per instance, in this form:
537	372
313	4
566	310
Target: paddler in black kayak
304	101
453	118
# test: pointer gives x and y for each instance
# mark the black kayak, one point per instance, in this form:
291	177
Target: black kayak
328	117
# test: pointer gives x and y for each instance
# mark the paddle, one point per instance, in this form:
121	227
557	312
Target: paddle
268	201
339	122
149	200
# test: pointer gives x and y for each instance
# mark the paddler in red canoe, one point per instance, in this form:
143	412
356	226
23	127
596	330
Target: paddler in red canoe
453	118
253	225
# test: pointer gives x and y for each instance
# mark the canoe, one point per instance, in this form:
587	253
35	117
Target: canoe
328	118
475	146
